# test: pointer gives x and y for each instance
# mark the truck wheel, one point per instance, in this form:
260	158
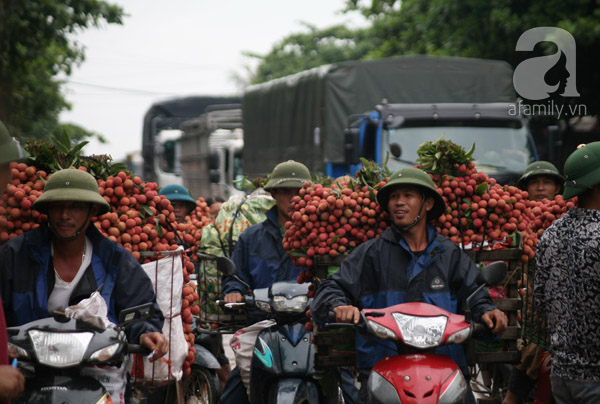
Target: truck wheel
200	387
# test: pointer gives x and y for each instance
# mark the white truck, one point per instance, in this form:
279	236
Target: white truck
172	155
211	152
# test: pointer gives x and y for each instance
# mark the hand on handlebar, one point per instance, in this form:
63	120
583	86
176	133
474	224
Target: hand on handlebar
347	314
496	320
156	342
234	298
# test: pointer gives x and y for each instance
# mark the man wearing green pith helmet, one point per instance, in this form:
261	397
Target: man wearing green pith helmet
409	262
63	262
261	260
567	283
541	180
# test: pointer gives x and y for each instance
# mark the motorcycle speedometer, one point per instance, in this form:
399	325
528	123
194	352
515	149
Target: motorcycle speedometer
60	349
421	332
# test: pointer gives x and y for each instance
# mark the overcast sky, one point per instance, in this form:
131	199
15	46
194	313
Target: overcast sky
172	48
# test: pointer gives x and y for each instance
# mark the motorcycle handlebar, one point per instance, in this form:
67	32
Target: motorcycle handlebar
232	306
332	324
479	330
138	349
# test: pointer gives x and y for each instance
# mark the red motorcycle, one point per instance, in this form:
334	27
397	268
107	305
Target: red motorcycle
417	374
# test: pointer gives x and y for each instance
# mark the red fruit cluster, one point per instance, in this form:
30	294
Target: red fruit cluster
140	219
16	215
189	308
478	210
331	221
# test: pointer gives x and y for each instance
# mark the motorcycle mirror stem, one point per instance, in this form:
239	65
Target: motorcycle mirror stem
490	275
468	318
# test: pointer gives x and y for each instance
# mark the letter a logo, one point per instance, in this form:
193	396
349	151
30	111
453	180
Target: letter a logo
529	78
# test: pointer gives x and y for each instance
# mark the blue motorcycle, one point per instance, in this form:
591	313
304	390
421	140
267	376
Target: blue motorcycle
282	365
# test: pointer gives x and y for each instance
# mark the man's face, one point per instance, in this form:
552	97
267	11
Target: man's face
180	209
5	176
67	217
404	204
542	187
215	208
283	197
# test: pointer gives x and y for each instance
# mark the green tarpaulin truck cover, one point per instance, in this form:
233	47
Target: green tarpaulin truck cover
303	116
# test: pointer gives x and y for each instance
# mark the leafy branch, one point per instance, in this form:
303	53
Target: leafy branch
443	157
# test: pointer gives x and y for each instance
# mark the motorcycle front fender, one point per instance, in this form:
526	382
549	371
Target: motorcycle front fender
293	391
62	389
205	358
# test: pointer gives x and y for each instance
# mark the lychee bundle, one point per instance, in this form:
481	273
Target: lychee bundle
479	210
16	215
332	220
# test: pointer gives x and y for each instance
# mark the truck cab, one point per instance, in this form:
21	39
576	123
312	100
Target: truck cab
167	164
503	143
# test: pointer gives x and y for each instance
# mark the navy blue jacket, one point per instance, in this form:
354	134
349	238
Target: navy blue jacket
383	272
26	281
260	258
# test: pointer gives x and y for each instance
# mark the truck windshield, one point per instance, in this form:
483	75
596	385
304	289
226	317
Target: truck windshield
497	149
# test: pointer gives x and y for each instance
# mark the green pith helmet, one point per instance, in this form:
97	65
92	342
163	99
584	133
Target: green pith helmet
175	192
582	170
289	174
540	168
413	176
10	150
71	184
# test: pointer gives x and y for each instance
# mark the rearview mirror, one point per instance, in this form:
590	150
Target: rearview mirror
136	314
225	266
492	274
396	150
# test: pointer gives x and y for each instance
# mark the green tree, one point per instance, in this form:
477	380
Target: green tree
486	29
303	51
37	45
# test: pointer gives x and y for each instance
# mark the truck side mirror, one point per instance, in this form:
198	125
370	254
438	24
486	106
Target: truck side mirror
352	146
396	150
213	161
214	176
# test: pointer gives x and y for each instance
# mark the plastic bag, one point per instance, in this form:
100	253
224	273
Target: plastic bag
166	275
92	310
242	343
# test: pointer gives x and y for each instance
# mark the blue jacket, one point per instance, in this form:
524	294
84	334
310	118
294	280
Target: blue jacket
26	281
384	272
260	258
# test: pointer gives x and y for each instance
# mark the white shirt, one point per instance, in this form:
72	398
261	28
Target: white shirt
61	293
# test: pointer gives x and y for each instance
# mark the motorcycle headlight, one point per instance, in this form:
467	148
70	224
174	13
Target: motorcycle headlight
60	349
15	351
105	353
381	331
380	390
263	306
459	336
454	389
296	304
421	332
